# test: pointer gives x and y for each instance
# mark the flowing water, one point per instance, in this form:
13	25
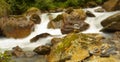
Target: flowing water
95	26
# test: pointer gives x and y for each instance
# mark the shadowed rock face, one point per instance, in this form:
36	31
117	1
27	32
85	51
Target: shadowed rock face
17	27
112	5
35	18
90	14
42	50
43	35
112	23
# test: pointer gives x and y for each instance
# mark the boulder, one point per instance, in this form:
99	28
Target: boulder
99	10
35	18
91	4
37	37
111	5
90	14
17	27
74	48
75	26
42	50
18	52
112	23
32	10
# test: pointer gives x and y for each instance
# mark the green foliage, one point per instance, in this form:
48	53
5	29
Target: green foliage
5	57
20	6
4	8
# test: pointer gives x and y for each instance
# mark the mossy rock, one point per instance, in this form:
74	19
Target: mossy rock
73	47
32	10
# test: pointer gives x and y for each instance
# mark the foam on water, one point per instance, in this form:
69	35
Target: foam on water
95	26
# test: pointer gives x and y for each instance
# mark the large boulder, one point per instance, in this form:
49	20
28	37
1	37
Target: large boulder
17	27
74	48
112	23
112	5
35	18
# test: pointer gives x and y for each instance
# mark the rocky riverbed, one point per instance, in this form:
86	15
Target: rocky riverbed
73	35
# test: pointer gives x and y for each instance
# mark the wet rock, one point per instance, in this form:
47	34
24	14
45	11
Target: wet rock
69	10
29	54
116	36
73	48
75	26
17	27
111	5
112	23
90	14
70	22
78	14
42	50
32	10
35	18
91	4
18	52
99	10
55	41
43	35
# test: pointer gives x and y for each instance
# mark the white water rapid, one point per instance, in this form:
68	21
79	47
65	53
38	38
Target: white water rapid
9	43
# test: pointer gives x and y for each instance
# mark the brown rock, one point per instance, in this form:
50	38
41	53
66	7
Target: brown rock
75	26
99	10
69	10
18	52
112	23
32	10
35	18
111	5
55	41
42	50
17	27
91	4
90	14
43	35
73	48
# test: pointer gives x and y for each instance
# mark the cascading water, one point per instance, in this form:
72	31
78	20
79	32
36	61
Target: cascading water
9	43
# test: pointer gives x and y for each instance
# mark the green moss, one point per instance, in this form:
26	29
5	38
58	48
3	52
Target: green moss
66	42
58	18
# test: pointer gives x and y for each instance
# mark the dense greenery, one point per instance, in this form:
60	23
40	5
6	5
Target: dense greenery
20	6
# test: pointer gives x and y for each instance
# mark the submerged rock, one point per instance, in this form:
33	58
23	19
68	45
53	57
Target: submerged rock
35	18
43	35
112	5
112	23
99	10
42	50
